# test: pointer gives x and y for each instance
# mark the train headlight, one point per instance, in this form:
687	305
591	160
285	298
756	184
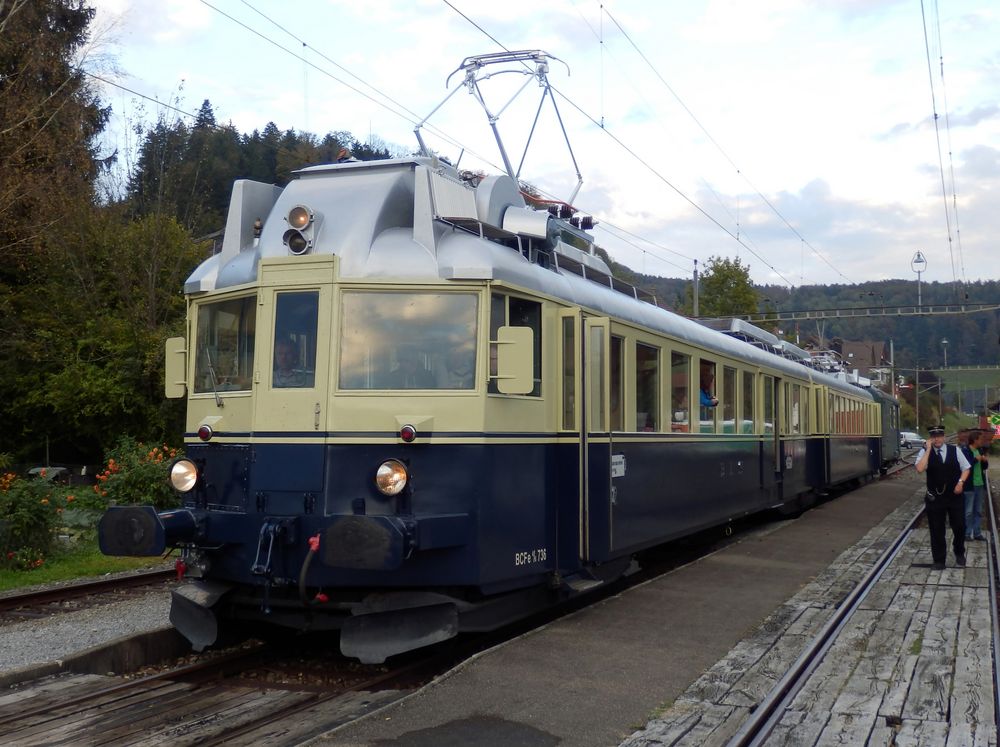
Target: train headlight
183	475
295	241
391	477
299	217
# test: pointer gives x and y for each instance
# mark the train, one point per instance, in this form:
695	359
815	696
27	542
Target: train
418	404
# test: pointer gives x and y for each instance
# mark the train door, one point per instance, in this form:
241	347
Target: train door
293	367
571	526
291	387
595	441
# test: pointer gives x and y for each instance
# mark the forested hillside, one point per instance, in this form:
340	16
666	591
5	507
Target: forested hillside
95	246
972	338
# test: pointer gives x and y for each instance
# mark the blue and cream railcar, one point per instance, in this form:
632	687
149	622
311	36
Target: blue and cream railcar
886	450
416	406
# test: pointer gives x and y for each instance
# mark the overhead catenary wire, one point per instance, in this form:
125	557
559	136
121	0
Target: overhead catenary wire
632	153
392	109
638	92
401	111
412	118
951	162
937	136
721	150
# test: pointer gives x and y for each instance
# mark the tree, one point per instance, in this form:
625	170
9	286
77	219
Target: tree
49	123
725	290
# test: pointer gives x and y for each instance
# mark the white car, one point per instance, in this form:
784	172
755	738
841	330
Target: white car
909	438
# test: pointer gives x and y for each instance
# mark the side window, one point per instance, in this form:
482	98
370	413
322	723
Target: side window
568	375
785	405
747	424
680	386
294	362
768	399
707	399
804	410
728	399
647	387
616	363
516	312
595	379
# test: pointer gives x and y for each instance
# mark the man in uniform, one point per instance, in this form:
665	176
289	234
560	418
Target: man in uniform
947	470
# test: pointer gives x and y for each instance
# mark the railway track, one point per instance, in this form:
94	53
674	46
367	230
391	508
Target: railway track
72	597
212	701
768	713
223	701
756	730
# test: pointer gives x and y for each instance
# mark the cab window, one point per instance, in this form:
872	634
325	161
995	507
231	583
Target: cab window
408	340
225	345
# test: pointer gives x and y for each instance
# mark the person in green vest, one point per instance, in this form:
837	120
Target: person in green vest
975	498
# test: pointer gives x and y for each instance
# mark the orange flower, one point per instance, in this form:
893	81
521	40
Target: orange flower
70	498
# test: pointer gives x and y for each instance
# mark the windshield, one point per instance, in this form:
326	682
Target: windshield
225	341
408	340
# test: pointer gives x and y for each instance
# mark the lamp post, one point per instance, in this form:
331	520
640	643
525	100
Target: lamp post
918	264
944	346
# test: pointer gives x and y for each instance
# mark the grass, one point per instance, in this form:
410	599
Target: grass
84	559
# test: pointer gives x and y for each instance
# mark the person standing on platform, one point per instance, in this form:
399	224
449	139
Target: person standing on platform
947	470
975	498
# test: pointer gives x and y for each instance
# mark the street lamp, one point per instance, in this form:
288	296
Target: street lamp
944	346
918	264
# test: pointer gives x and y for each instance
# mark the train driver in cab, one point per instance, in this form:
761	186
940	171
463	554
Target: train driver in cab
410	371
286	371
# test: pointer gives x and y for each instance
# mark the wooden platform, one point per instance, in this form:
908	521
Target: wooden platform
913	666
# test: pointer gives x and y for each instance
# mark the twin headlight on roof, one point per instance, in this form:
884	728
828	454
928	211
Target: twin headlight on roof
301	224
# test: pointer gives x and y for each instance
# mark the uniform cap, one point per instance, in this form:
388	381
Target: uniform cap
936	430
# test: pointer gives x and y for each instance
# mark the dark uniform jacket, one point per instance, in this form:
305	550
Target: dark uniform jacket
942	477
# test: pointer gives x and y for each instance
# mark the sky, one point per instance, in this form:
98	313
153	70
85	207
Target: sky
796	135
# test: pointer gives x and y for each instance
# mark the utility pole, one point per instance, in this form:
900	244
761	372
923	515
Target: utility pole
694	309
892	367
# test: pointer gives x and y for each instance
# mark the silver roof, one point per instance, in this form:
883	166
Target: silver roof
415	219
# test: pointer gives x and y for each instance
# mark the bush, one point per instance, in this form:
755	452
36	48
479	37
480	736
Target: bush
135	474
30	511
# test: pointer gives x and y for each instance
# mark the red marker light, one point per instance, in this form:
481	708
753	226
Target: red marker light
408	433
205	432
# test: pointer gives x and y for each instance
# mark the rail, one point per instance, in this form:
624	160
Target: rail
769	711
82	589
994	576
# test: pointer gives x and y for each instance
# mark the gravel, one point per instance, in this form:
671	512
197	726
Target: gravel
51	638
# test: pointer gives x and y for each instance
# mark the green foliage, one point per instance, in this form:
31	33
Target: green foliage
74	560
135	474
29	515
725	290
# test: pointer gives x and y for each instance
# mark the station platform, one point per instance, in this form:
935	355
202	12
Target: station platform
681	659
912	666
